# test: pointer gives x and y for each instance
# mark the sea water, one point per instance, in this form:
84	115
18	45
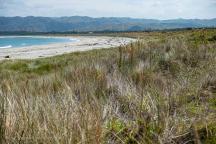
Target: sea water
23	41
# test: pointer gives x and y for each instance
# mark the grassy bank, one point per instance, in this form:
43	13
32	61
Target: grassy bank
161	89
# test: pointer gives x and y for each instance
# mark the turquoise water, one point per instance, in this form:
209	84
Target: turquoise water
22	41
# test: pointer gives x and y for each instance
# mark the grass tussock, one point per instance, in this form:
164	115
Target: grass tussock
160	89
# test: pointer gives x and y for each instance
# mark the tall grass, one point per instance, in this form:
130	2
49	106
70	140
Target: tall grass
158	90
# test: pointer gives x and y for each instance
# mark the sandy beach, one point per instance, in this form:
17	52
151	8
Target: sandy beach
83	43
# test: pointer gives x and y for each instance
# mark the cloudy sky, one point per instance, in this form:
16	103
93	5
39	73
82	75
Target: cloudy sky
159	9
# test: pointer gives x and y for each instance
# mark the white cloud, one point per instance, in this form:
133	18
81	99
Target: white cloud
160	9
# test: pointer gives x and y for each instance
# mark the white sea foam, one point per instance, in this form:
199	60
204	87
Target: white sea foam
8	46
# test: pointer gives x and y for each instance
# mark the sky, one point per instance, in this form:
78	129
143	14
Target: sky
153	9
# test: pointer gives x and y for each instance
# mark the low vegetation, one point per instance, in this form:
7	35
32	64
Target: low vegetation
160	89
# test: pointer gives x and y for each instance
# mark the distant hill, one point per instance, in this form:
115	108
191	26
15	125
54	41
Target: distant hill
85	24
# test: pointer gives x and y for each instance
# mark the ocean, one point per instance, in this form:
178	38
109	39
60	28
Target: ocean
23	41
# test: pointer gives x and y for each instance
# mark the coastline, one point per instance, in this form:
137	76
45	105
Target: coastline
82	43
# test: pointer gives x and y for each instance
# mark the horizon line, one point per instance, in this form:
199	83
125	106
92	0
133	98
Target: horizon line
110	17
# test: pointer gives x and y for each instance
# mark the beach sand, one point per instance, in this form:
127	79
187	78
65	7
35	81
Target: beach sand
83	43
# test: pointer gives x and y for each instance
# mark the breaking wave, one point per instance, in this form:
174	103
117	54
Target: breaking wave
8	46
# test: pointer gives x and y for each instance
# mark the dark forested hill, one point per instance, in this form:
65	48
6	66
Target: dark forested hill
83	24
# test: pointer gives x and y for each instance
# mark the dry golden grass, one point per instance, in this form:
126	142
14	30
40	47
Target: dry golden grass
161	89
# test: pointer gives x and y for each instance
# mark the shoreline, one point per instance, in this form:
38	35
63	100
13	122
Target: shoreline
82	43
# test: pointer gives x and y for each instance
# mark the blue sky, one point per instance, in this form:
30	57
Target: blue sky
158	9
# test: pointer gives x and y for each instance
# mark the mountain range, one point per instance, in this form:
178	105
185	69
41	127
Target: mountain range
86	24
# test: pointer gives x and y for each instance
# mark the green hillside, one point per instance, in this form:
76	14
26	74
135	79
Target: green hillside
85	24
